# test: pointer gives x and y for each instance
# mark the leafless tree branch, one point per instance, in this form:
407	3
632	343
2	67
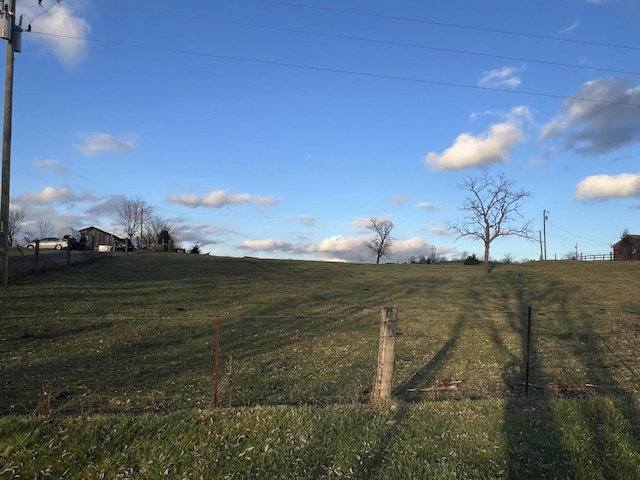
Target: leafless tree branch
492	210
380	244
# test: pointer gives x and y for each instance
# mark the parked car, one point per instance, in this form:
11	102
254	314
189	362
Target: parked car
50	243
121	246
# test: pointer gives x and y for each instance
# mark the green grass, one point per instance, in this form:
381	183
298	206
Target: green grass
107	370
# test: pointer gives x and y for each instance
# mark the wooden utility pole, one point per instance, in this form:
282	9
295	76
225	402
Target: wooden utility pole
141	228
9	32
383	381
545	217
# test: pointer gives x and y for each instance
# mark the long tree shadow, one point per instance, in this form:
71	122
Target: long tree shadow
611	414
529	423
408	391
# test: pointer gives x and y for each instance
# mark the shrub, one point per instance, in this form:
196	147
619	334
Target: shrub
195	249
471	260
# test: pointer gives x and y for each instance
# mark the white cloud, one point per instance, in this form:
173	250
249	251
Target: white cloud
53	195
269	245
402	249
338	244
219	198
609	186
339	248
609	120
99	143
494	146
503	77
63	27
51	165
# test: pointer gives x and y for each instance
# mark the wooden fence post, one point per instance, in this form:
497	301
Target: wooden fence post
216	364
383	381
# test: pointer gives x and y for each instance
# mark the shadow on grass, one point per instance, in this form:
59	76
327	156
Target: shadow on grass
533	440
613	419
545	421
409	391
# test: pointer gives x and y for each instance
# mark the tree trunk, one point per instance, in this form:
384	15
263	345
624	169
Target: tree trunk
487	243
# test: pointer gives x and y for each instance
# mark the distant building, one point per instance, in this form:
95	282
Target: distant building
95	237
628	248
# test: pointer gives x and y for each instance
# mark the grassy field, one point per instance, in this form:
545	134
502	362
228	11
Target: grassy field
107	370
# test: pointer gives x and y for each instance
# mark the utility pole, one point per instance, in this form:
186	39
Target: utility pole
13	34
545	217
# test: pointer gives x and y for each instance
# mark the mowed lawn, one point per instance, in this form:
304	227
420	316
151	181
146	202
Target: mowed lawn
108	370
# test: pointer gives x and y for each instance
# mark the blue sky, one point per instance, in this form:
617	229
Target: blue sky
276	129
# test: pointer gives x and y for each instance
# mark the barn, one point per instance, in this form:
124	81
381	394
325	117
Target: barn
95	237
628	248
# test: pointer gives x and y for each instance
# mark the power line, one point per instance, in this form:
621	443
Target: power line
385	42
452	25
340	71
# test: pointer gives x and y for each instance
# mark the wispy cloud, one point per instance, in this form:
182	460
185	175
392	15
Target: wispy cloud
502	77
427	206
306	220
99	143
51	165
400	199
220	198
571	27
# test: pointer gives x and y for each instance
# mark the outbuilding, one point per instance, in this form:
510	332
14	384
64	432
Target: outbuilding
628	248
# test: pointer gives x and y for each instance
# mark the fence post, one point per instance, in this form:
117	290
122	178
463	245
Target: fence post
383	381
527	355
36	266
216	364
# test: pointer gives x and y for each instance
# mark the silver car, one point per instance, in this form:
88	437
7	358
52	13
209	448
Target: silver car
50	243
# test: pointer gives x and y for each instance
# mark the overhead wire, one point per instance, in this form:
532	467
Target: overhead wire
341	71
453	25
386	42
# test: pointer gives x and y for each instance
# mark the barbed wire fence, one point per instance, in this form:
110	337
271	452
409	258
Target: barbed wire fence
78	367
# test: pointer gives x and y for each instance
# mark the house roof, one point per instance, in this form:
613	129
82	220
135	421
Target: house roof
83	230
626	238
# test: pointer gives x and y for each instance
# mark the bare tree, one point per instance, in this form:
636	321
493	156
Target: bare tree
380	244
44	229
130	214
156	228
492	210
16	218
